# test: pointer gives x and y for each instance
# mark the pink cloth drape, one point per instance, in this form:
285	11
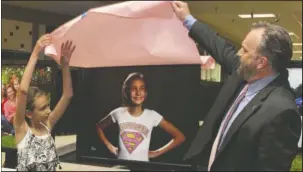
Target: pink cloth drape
133	33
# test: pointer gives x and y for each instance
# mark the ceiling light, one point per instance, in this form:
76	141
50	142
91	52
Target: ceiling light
293	34
297	44
297	52
248	16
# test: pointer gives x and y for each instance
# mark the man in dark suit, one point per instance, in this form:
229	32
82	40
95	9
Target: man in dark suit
254	124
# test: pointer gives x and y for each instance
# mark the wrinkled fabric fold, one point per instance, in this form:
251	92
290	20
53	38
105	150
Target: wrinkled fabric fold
133	33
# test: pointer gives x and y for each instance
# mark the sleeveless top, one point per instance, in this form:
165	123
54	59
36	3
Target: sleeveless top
37	153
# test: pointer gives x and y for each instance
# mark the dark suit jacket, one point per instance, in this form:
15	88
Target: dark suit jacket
265	134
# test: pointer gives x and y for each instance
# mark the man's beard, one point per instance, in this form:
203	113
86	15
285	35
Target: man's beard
246	71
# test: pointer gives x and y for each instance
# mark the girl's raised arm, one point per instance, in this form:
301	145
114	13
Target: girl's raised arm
67	50
19	119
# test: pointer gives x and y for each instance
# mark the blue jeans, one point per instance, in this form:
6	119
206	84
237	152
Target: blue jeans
6	126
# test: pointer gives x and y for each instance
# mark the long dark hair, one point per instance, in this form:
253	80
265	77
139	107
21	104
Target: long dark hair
126	101
4	91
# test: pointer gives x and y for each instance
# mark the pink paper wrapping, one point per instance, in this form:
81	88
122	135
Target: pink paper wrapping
133	33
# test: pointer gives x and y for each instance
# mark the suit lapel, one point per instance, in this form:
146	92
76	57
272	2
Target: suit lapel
207	131
249	110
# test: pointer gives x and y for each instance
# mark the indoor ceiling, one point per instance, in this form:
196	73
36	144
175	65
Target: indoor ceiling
221	15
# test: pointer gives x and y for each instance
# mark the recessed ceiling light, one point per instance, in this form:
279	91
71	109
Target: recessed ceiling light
297	44
248	16
293	34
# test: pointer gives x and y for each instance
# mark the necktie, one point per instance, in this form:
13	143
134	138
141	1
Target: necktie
224	125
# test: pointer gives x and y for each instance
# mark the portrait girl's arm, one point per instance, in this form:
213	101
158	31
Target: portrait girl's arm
101	125
177	139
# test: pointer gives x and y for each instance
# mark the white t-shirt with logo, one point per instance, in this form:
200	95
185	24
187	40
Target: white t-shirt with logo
135	132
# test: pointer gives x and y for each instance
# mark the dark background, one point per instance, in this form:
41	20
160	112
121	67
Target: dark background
172	92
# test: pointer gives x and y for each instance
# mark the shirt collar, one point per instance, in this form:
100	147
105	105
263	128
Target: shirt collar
258	85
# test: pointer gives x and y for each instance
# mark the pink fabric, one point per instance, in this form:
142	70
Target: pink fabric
223	126
9	110
133	33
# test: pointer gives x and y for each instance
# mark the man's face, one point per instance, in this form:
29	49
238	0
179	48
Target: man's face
249	59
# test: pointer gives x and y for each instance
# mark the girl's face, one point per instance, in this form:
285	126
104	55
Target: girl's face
138	92
10	93
16	84
41	109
